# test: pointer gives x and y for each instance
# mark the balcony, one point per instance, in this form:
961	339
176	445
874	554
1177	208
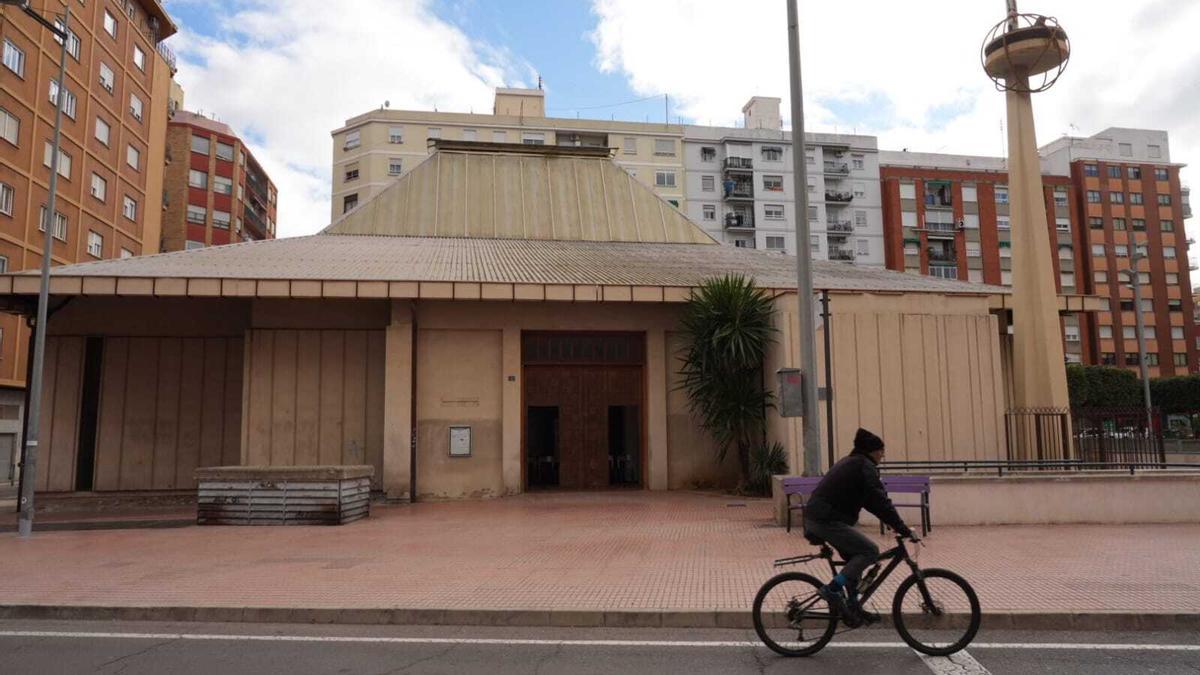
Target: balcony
839	226
739	164
739	220
837	168
943	272
939	229
839	196
840	254
942	257
739	191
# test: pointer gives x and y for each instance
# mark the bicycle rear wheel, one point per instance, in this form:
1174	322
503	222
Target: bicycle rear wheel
790	617
938	615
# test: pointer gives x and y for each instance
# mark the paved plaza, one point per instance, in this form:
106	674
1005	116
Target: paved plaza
573	551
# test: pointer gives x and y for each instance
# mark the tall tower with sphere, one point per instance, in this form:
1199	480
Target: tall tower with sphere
1025	54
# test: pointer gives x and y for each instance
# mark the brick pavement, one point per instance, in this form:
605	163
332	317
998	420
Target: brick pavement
613	551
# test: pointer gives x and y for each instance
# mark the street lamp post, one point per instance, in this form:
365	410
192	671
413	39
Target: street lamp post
33	415
1135	282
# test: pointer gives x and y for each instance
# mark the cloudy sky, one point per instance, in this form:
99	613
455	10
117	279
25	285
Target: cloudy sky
287	72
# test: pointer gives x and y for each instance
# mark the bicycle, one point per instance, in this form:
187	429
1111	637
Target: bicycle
927	611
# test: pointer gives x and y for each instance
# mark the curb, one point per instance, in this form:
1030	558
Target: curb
583	618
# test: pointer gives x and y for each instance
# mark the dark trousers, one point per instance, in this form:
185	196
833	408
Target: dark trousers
856	549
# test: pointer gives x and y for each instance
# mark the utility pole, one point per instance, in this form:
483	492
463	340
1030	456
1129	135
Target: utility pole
1135	282
33	414
804	283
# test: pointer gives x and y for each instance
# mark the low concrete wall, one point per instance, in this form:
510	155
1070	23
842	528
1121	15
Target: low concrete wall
1098	498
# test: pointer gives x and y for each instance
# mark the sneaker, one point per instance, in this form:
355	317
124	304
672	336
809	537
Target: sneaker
837	603
868	618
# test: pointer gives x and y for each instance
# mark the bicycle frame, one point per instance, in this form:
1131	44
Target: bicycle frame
897	555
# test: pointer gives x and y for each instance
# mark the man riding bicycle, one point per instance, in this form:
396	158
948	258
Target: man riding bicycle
831	512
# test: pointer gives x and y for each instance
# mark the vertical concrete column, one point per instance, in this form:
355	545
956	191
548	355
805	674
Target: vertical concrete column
511	413
656	409
397	402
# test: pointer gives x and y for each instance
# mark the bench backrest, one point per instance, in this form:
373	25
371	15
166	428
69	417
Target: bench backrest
800	485
906	483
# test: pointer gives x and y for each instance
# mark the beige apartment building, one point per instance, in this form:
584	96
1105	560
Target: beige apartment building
373	149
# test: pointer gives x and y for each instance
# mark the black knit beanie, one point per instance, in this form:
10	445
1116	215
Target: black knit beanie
865	441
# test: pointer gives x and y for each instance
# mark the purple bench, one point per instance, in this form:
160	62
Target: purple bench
915	485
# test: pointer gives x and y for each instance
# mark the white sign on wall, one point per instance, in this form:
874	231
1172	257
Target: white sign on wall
460	441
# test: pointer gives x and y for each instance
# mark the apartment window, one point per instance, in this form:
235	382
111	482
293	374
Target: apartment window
1132	358
709	211
107	79
708	154
10	126
970	193
1067	279
197	214
99	187
773	183
1071	332
860	191
133	157
864	247
1135	173
908	191
860	218
1003	223
139	58
126	253
809	159
1144	278
1164	200
1173	305
529	138
1093	196
224	151
129	208
1136	198
857	163
499	136
1172	278
68	104
395	166
664	179
197	179
1180	359
1060	197
350	173
975	276
241	193
1114	171
1155	151
812	214
60	224
1118	224
1148	305
1106	332
1142	250
7	196
1100	276
1121	250
1139	224
973	249
103	131
222	185
1126	149
221	219
1176	332
1168	252
1098	250
64	160
200	144
110	24
1062	224
773	211
1161	174
95	244
774	243
1108	359
1005	278
1116	197
1001	195
353	140
664	147
1096	223
743	243
772	153
1005	249
470	134
1065	252
1091	170
1166	225
349	202
912	248
14	58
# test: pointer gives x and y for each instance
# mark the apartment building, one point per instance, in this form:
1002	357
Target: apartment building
373	149
740	189
1130	198
113	139
215	191
1107	195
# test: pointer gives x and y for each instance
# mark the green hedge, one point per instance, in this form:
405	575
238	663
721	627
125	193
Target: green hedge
1107	387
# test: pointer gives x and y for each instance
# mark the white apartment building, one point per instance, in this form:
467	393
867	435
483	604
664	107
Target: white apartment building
739	187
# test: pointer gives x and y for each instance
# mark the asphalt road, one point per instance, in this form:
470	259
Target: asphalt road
230	649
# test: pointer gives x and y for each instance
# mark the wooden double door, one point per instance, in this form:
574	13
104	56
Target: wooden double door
583	425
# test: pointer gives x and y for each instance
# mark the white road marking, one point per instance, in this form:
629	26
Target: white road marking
961	663
572	643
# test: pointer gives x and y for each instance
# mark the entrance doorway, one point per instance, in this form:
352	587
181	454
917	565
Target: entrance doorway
583	410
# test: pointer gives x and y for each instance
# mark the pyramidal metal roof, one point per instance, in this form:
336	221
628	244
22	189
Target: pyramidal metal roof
532	192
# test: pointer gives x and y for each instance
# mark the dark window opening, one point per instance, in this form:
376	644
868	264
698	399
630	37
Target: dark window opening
624	449
541	446
85	464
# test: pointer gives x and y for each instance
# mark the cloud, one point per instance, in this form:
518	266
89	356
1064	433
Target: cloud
285	73
909	72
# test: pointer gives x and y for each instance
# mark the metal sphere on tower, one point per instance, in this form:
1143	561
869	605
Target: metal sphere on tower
1022	47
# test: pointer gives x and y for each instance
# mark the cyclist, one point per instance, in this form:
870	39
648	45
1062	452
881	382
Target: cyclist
830	513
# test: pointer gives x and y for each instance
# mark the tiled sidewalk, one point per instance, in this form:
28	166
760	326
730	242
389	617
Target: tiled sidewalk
625	550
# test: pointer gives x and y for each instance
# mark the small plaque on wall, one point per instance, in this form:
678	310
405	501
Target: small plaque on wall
460	441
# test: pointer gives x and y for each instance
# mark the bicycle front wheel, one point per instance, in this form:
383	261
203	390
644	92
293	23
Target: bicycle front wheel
937	614
790	617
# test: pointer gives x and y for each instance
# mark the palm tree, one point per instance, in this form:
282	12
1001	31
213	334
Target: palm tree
727	326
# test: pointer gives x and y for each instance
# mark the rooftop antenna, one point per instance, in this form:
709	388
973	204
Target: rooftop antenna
539	82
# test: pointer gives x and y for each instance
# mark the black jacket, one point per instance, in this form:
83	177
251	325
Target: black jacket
850	486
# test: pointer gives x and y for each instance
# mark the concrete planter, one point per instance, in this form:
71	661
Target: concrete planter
283	495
